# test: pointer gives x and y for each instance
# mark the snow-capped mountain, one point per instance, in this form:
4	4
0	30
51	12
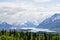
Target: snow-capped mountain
52	23
5	25
27	27
28	24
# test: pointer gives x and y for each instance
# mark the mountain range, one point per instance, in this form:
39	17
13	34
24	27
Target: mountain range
51	23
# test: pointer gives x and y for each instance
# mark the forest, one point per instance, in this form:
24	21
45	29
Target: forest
14	35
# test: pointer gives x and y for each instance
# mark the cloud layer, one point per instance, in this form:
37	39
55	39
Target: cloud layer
20	13
42	0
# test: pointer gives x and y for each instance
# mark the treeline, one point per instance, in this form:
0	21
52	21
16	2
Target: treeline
13	35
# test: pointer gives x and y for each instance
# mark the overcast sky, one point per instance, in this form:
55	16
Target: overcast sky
22	11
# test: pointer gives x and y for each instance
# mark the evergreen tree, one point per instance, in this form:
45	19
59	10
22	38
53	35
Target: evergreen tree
45	35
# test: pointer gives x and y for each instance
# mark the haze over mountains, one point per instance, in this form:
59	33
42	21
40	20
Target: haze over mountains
50	24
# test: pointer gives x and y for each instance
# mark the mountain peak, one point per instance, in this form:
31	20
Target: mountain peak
52	23
56	15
